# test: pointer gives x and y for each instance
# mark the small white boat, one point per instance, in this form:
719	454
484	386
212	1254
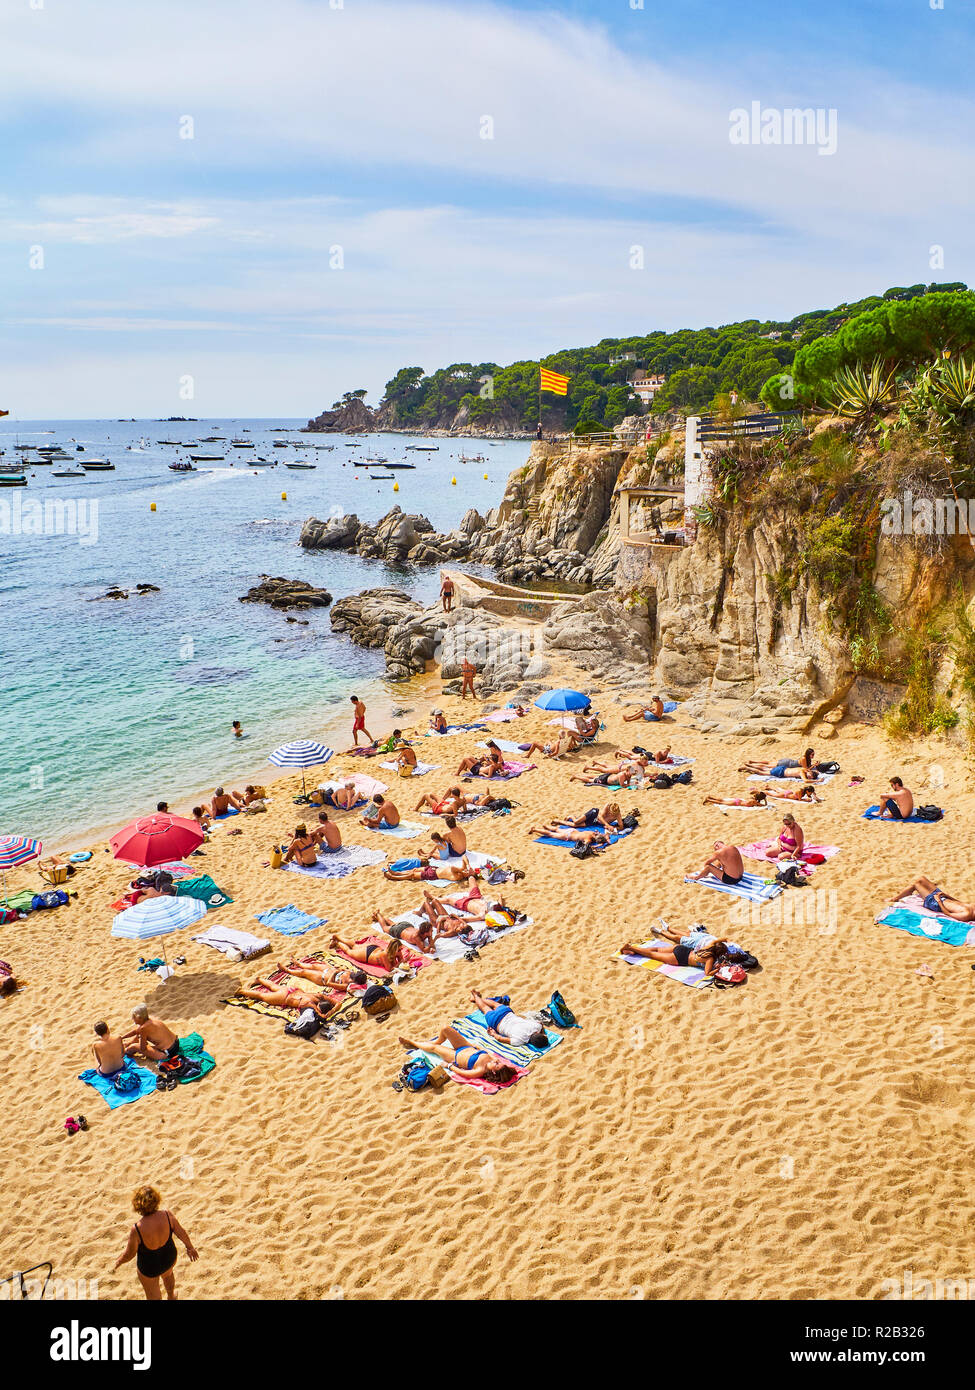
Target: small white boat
98	466
300	465
68	473
242	444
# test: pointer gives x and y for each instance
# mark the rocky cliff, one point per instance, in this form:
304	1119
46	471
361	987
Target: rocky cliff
355	417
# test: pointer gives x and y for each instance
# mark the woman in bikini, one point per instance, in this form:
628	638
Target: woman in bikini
302	848
749	802
152	1247
708	958
786	767
581	837
452	802
328	976
272	992
385	957
463	1060
939	900
791	840
807	792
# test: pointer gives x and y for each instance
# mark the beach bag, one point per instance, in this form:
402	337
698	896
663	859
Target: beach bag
582	851
928	813
663	780
7	914
560	1013
727	976
126	1081
306	1025
500	917
57	897
415	1075
790	877
377	1000
746	960
438	1078
684	778
830	767
277	858
630	821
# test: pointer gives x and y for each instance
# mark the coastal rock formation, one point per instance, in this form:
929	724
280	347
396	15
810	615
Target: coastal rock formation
287	593
116	592
338	533
367	618
354	417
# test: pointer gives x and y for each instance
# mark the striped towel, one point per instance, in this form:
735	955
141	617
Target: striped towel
755	889
684	974
406	830
473	1027
339	863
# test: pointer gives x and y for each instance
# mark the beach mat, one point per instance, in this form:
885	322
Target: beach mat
203	888
474	1028
228	941
453	729
419	771
450	949
873	813
511	770
338	863
691	975
758	849
105	1085
571	844
289	920
414	959
751	887
341	1002
406	830
928	925
506	745
477	1083
787	781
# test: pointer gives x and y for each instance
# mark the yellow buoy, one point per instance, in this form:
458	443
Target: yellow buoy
453	482
485	477
284	497
396	487
152	506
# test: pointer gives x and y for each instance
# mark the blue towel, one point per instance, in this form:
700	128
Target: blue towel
944	929
290	920
571	844
873	813
230	811
105	1085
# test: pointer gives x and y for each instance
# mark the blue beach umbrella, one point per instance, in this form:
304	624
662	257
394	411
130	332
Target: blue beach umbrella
302	752
563	700
157	917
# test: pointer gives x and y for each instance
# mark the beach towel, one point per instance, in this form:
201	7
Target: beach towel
205	889
340	1002
767	777
511	769
486	1088
502	716
454	729
684	974
419	771
475	859
408	956
339	863
105	1085
759	850
929	925
505	744
175	867
755	889
290	920
191	1047
230	942
571	844
365	785
873	813
675	761
230	811
406	830
474	1028
450	949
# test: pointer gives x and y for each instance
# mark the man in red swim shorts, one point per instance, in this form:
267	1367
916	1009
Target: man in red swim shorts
359	723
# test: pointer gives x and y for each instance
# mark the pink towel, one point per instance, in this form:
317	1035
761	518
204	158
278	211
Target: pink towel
759	850
488	1088
412	959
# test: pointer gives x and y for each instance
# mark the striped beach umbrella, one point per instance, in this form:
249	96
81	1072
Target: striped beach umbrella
14	850
303	753
157	917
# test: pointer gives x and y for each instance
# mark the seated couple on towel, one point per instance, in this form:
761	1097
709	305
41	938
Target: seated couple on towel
341	798
150	1038
939	900
305	846
452	802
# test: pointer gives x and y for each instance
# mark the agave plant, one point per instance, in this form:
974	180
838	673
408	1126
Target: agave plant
953	385
857	394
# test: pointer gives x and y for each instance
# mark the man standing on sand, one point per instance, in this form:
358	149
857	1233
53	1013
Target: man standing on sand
150	1038
898	803
359	722
468	670
447	593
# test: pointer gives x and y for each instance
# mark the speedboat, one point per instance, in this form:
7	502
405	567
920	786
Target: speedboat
68	473
401	465
301	465
98	466
242	444
183	468
207	458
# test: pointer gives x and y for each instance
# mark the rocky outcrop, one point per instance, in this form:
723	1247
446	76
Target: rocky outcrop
287	593
397	537
338	533
368	617
354	417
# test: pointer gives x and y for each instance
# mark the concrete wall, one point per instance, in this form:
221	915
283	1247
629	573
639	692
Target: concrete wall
643	566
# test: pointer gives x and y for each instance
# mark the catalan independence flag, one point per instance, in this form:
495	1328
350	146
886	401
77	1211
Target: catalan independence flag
551	381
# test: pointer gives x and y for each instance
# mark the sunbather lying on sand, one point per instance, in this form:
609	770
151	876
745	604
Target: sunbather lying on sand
333	977
807	792
461	1059
786	767
611	817
223	801
451	802
302	848
623	774
369	953
725	864
505	1025
755	798
939	900
150	1038
706	958
655	710
469	916
567	741
580	837
380	814
281	997
418	935
426	872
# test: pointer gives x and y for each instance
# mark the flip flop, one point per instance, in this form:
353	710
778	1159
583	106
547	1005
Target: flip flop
82	1122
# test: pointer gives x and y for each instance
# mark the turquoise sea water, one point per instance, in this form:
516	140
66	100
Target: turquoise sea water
109	706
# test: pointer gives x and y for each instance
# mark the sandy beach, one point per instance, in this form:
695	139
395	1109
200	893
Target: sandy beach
804	1136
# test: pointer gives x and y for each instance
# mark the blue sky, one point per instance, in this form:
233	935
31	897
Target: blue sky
337	213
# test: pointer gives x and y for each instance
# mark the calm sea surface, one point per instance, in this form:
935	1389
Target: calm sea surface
109	706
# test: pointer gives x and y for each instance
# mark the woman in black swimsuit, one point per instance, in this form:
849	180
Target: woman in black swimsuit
152	1246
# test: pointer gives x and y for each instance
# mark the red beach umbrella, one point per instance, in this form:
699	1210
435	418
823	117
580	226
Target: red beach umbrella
156	839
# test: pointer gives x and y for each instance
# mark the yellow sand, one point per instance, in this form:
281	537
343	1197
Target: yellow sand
806	1136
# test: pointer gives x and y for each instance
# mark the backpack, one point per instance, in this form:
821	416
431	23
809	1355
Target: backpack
928	813
830	767
745	959
416	1074
378	1000
663	780
126	1081
727	976
790	877
582	851
498	803
57	897
685	777
561	1015
631	821
306	1025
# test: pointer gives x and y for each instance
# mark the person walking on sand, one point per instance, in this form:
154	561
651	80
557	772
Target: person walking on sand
468	671
152	1247
447	593
359	722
